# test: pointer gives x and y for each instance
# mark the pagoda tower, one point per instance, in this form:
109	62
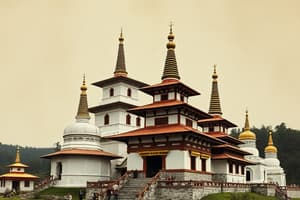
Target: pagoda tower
228	163
16	179
254	173
81	157
170	140
275	173
120	93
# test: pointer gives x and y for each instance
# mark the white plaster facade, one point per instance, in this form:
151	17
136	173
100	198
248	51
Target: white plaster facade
24	185
77	170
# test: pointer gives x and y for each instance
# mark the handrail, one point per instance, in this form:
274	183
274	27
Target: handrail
154	179
120	181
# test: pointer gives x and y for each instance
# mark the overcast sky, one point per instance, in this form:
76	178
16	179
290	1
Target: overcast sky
46	47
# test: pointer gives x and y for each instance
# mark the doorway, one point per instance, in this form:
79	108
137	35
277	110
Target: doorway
16	186
248	175
154	164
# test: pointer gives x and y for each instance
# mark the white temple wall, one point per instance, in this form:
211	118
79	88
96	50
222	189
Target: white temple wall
134	162
26	189
91	169
177	159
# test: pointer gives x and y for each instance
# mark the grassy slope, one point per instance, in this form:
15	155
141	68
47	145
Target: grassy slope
237	196
62	192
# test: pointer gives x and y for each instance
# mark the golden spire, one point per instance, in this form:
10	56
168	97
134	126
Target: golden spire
247	125
247	134
18	160
215	105
83	112
120	69
170	69
270	148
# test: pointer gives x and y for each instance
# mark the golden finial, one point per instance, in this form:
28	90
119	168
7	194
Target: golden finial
270	148
83	87
121	39
18	160
215	75
247	125
171	44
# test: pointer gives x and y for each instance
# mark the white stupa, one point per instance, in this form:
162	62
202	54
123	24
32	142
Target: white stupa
81	157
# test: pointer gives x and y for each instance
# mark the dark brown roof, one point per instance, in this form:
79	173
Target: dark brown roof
225	137
232	148
140	110
170	84
215	105
82	152
109	106
118	79
231	157
161	130
204	122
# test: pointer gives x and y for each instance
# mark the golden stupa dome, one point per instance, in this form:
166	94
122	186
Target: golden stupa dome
270	148
247	134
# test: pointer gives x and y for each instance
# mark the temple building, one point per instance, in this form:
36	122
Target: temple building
171	140
228	163
120	93
16	179
264	170
81	157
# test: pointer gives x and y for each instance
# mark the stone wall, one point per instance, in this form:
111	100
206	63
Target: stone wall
293	191
264	189
178	190
185	176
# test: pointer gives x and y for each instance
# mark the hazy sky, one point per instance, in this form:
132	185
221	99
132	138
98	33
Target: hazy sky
46	46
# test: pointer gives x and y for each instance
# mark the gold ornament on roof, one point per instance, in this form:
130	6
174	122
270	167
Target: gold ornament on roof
18	160
247	134
270	148
171	44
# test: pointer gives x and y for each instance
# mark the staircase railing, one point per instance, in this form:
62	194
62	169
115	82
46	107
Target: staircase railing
150	187
45	183
120	182
281	193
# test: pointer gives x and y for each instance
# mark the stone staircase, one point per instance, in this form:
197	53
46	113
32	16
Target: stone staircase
132	188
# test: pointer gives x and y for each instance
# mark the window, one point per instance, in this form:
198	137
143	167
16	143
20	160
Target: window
189	122
58	170
248	175
203	165
243	169
129	92
211	129
181	97
230	168
237	169
2	184
128	119
111	92
193	162
138	121
26	183
161	120
164	97
106	119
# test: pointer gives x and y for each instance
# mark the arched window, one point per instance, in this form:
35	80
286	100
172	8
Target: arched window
128	119
248	175
129	92
106	119
138	121
58	170
111	92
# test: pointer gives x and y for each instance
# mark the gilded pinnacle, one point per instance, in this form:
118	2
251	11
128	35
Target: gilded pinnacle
18	160
83	112
215	105
120	69
247	125
170	69
270	148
